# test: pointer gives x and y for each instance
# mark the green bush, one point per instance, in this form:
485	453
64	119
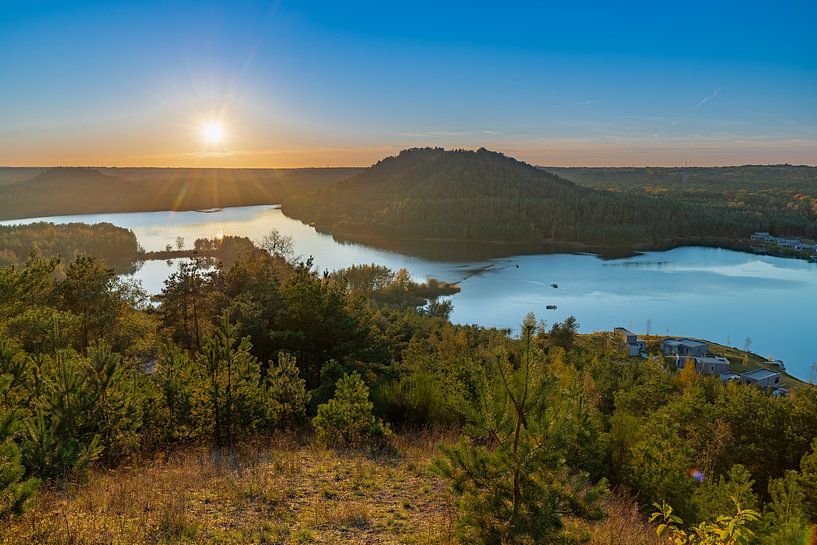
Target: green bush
726	530
347	420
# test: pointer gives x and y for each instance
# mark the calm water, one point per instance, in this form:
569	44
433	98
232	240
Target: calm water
720	295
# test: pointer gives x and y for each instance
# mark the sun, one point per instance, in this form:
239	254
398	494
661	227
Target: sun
213	132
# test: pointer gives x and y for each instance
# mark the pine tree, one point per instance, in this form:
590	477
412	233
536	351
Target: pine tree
346	420
15	490
509	473
77	407
715	498
233	389
175	384
808	479
284	393
786	513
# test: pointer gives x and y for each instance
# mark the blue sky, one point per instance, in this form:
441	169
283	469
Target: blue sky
344	83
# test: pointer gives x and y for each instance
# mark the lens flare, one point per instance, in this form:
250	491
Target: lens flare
696	474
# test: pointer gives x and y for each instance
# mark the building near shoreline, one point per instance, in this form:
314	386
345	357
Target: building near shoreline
697	353
684	348
730	377
712	365
635	346
794	244
764	378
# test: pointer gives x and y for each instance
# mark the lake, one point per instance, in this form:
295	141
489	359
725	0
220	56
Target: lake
720	295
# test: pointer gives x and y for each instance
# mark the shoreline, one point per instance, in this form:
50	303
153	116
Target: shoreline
484	249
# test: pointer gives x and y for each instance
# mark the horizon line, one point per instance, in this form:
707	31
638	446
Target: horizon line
327	167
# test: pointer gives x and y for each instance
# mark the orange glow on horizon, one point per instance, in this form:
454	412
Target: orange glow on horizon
546	153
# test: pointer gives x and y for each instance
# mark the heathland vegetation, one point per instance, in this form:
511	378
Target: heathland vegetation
265	402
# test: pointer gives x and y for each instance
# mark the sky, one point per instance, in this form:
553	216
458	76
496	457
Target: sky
343	83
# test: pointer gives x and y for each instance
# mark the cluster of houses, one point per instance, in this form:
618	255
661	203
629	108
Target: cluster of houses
785	243
697	352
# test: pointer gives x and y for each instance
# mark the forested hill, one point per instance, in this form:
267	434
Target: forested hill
786	195
59	191
484	196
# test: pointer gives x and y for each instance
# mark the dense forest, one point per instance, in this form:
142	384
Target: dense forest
432	195
304	394
784	196
486	196
116	245
26	192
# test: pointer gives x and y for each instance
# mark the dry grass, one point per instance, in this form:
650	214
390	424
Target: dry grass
263	494
282	492
624	525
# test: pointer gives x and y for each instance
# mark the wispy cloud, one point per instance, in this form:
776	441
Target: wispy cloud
706	99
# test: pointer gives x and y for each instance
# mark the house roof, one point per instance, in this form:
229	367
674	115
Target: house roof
760	374
686	342
712	359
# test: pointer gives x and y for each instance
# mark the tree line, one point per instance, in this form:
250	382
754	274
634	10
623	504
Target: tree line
782	199
116	245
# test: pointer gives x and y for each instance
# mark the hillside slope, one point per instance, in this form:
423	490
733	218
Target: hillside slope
484	196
